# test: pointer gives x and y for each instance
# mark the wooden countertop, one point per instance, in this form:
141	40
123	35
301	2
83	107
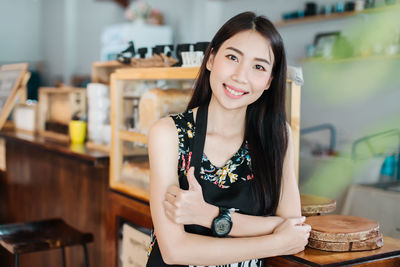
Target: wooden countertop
315	257
79	152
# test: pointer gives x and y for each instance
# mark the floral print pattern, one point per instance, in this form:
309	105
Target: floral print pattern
222	177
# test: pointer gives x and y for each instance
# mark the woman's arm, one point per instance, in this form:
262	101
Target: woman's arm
189	207
179	247
289	203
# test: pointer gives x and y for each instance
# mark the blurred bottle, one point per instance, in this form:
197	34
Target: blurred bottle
359	5
369	4
398	167
388	169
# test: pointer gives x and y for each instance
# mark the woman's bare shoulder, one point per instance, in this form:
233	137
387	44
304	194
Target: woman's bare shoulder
165	127
163	136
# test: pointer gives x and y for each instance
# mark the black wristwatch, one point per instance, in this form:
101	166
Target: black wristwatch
222	224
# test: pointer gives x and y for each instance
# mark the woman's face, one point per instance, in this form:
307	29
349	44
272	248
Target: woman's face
241	69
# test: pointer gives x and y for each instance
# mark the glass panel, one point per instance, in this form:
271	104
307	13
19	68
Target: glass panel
135	168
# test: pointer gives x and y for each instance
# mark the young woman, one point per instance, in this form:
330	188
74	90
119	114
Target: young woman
243	203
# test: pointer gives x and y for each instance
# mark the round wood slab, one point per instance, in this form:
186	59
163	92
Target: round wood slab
342	228
314	205
368	244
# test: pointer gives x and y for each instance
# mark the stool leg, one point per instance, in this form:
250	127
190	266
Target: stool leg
86	255
16	259
63	256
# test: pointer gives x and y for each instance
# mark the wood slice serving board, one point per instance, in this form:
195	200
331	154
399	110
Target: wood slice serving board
342	228
343	233
369	244
315	205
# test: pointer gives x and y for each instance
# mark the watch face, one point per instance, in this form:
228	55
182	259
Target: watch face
222	226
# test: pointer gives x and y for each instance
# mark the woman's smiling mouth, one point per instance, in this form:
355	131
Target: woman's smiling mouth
233	91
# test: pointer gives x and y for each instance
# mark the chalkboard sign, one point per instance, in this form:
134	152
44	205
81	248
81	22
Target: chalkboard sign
11	77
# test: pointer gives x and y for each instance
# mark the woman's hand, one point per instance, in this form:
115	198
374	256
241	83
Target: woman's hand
293	233
188	206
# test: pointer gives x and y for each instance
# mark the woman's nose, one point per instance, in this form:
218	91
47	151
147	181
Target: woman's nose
240	74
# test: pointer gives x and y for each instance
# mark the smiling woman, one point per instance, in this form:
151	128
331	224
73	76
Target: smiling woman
235	159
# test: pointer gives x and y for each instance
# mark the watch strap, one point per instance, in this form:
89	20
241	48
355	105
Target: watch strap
224	212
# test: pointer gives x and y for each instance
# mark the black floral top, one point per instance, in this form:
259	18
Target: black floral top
227	186
222	177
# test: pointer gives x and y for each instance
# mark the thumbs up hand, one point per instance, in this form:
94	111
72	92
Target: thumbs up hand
193	183
188	206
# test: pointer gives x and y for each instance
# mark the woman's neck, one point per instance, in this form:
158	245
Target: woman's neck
225	122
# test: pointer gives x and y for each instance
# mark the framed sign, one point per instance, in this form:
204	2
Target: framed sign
11	79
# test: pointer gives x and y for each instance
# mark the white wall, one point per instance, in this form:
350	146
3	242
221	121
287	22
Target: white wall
20	31
53	40
92	16
71	31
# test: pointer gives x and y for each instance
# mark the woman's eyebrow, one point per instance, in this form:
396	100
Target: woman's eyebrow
241	53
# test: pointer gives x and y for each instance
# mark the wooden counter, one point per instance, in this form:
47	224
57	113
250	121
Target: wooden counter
388	255
79	152
45	179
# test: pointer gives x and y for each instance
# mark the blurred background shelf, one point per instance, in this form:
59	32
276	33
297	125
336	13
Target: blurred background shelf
351	59
333	16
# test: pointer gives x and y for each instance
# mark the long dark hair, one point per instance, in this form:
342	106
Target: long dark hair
266	130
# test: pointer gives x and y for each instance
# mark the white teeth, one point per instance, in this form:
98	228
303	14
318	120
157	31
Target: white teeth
232	91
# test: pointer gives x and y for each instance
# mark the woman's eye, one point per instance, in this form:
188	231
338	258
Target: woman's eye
259	67
232	57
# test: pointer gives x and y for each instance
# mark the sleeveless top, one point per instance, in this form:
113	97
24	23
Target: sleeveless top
228	186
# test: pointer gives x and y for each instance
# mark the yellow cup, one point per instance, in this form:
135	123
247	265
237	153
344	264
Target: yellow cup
78	148
77	131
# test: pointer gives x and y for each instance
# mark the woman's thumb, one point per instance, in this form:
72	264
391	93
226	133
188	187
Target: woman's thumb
193	183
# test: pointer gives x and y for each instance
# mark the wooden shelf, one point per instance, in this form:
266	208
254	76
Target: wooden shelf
131	136
111	63
318	18
100	147
171	73
102	70
130	189
350	59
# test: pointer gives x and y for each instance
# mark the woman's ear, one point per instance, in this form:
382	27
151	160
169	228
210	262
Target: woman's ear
269	83
210	61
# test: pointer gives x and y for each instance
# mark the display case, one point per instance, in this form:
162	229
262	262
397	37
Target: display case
129	169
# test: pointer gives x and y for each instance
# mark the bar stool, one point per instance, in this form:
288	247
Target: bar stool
19	238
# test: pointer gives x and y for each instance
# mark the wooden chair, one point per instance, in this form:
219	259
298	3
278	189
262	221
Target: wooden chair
20	238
